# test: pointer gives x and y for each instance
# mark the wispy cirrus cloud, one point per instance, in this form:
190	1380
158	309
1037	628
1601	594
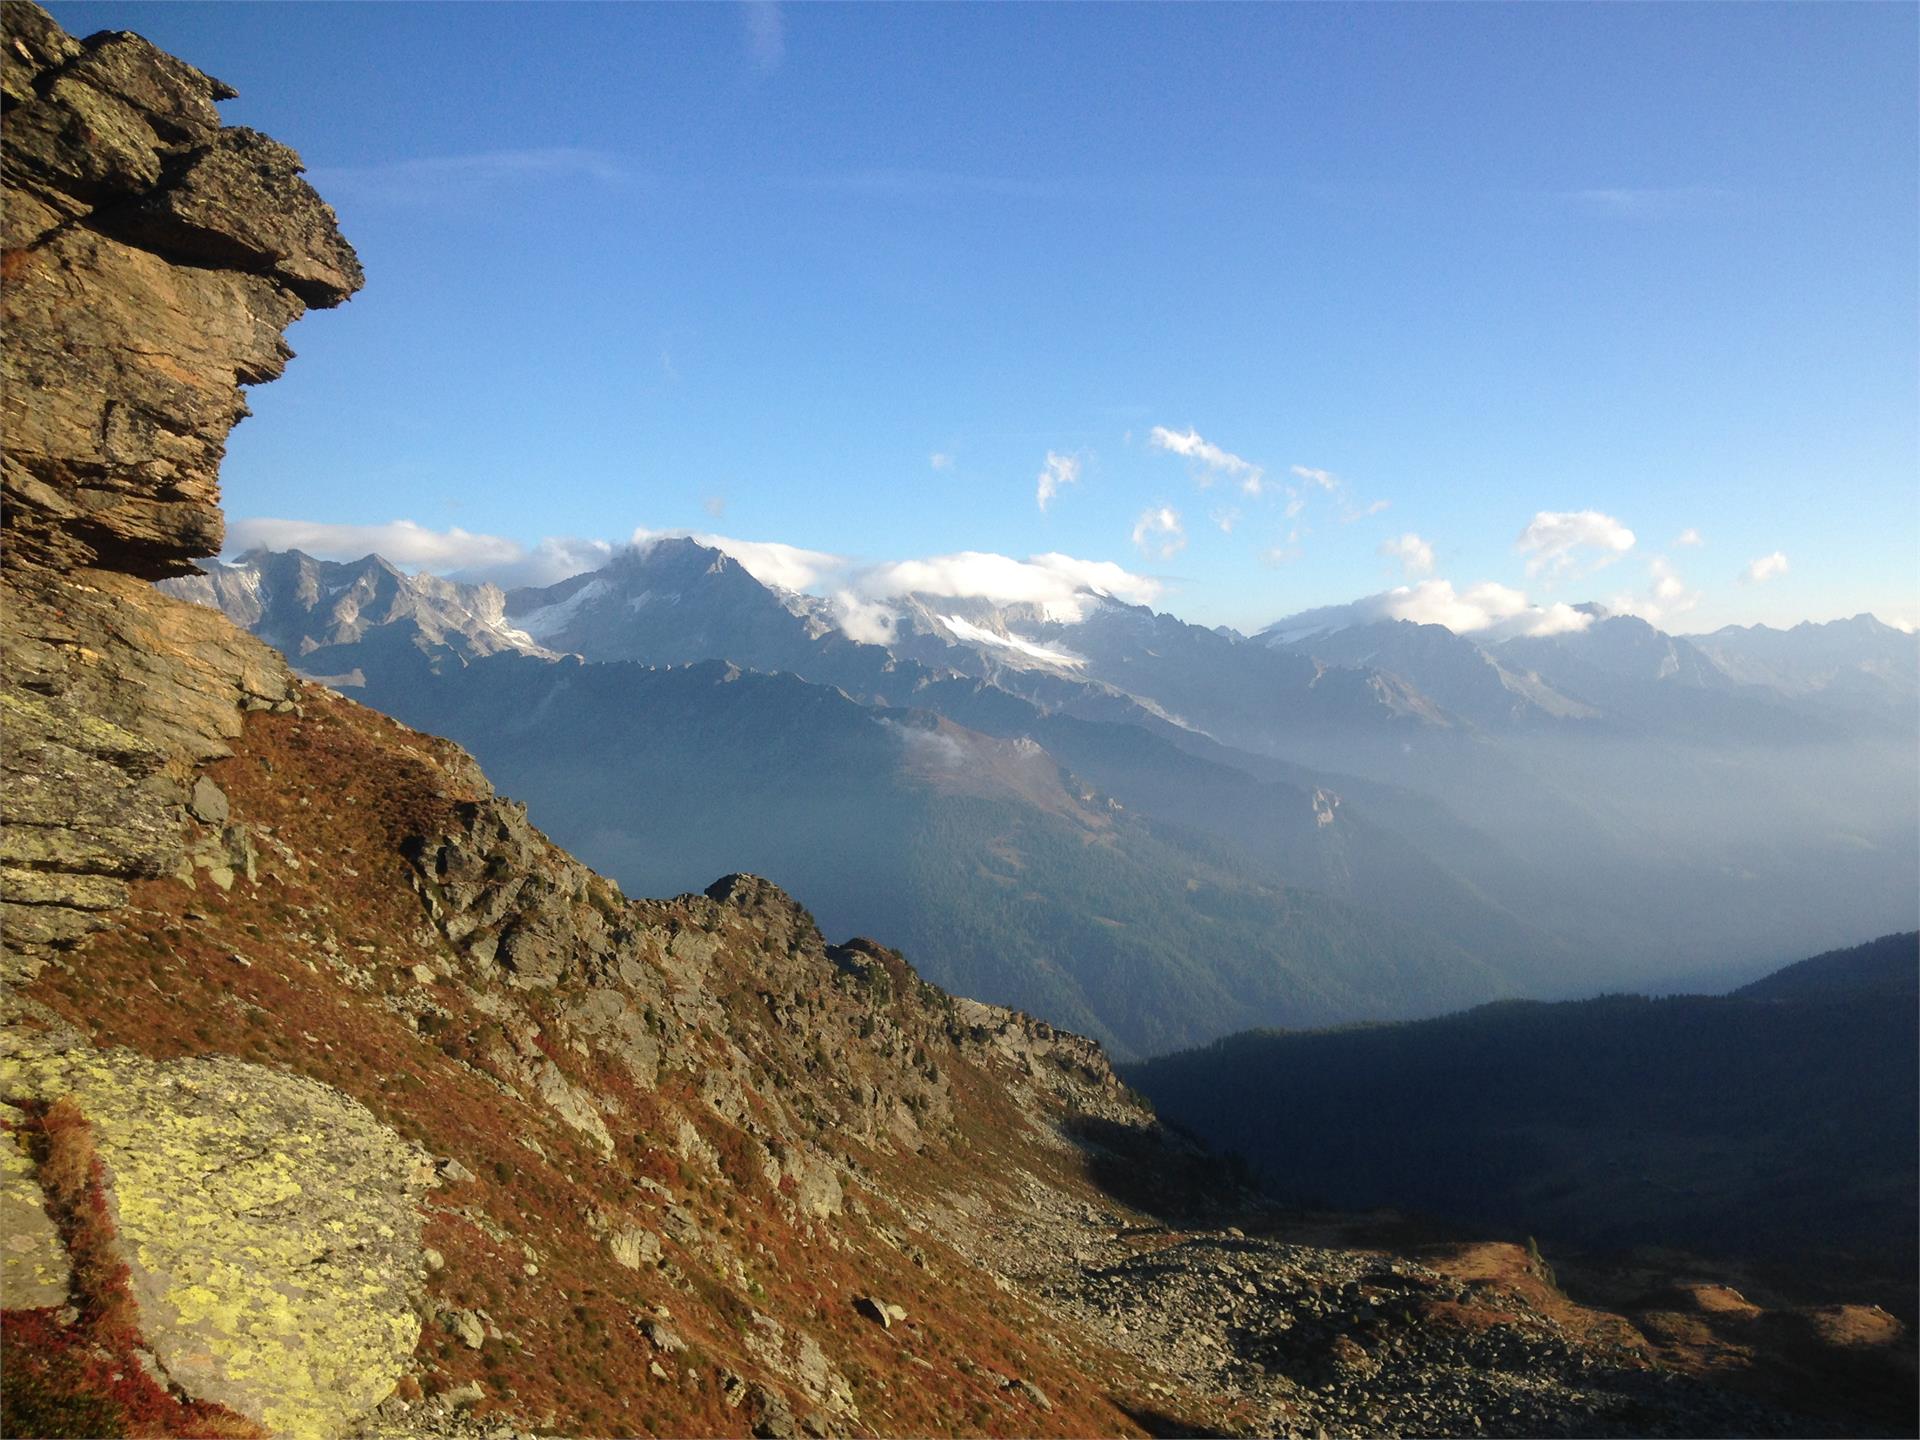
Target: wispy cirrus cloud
1058	472
766	28
1347	508
1647	202
1211	461
428	180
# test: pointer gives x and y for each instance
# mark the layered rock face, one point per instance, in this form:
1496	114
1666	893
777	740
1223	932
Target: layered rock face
153	259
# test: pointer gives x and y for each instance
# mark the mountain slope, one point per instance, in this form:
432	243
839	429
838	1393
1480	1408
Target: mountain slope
1779	1122
1888	967
1205	811
1855	664
1005	875
1453	670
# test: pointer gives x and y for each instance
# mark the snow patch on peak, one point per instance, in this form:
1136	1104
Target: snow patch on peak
979	635
550	620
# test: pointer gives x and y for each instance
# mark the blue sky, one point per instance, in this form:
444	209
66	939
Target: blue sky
749	270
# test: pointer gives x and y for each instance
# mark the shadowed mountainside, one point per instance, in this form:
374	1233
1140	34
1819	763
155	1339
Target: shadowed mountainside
1777	1123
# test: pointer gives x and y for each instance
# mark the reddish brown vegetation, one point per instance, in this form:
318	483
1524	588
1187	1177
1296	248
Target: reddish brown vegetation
331	942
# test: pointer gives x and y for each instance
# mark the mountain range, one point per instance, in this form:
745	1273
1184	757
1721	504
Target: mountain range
1535	816
338	1102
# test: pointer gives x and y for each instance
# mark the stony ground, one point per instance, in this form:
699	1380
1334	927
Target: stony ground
1255	1334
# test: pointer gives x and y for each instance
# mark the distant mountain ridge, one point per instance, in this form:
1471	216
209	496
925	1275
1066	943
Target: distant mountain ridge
308	608
1575	810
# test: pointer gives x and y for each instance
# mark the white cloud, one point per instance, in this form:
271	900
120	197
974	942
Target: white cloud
1666	598
868	621
1689	538
1414	554
766	35
1101	576
1360	512
1226	517
1158	532
549	562
1338	489
1667	584
1059	584
1191	445
1489	610
715	505
1059	470
940	460
1758	572
1555	541
787	567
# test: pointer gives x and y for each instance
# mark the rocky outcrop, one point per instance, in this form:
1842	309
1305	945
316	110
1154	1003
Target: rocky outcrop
153	258
152	261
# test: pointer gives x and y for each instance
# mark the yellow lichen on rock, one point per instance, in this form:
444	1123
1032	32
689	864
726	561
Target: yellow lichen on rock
34	1272
270	1224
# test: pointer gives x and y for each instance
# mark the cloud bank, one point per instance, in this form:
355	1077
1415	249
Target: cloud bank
1666	598
1059	584
786	567
1488	610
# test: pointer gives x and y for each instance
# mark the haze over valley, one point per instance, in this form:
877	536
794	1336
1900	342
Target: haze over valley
1298	815
1155	832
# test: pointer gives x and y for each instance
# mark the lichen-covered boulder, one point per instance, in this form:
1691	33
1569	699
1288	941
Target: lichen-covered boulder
34	1271
270	1224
